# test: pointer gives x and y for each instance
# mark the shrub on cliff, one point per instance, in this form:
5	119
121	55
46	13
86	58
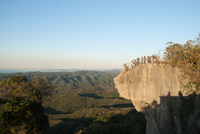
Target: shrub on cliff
186	57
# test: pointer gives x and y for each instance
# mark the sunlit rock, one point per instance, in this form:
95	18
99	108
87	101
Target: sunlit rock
153	90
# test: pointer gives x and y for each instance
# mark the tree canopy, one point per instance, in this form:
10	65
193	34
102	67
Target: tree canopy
20	104
187	58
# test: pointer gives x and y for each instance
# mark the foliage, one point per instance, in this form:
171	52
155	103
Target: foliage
20	104
83	101
187	58
129	121
79	111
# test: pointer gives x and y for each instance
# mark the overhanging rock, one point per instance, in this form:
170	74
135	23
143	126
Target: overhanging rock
153	90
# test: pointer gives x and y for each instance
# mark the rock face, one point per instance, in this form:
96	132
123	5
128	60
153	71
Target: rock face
153	90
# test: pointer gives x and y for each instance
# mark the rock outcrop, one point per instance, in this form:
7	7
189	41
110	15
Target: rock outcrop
153	90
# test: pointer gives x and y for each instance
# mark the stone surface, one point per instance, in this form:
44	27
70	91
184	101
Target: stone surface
153	90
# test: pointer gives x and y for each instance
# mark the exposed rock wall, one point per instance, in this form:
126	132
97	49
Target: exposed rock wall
153	90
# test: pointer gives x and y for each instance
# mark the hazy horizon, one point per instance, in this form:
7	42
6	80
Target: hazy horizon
53	70
91	34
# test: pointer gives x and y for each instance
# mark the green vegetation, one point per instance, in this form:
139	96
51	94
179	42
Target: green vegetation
85	102
88	113
20	105
89	109
187	58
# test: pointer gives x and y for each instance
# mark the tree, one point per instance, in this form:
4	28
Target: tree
20	105
187	58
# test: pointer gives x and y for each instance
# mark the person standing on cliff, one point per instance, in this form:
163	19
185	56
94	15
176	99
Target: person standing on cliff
144	59
138	60
132	64
141	59
125	67
148	59
152	59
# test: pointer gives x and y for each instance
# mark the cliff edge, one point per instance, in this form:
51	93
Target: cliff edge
153	90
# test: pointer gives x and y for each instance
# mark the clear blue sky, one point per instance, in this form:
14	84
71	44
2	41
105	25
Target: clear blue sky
91	34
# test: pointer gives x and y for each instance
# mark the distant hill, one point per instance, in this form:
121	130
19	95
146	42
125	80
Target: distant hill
90	80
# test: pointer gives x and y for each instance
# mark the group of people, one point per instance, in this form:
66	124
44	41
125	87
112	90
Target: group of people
137	61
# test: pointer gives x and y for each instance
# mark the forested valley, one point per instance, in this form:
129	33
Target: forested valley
78	102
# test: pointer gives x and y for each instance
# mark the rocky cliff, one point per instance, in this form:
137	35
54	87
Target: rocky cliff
153	90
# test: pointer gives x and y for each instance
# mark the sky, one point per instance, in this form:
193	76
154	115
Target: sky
91	34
